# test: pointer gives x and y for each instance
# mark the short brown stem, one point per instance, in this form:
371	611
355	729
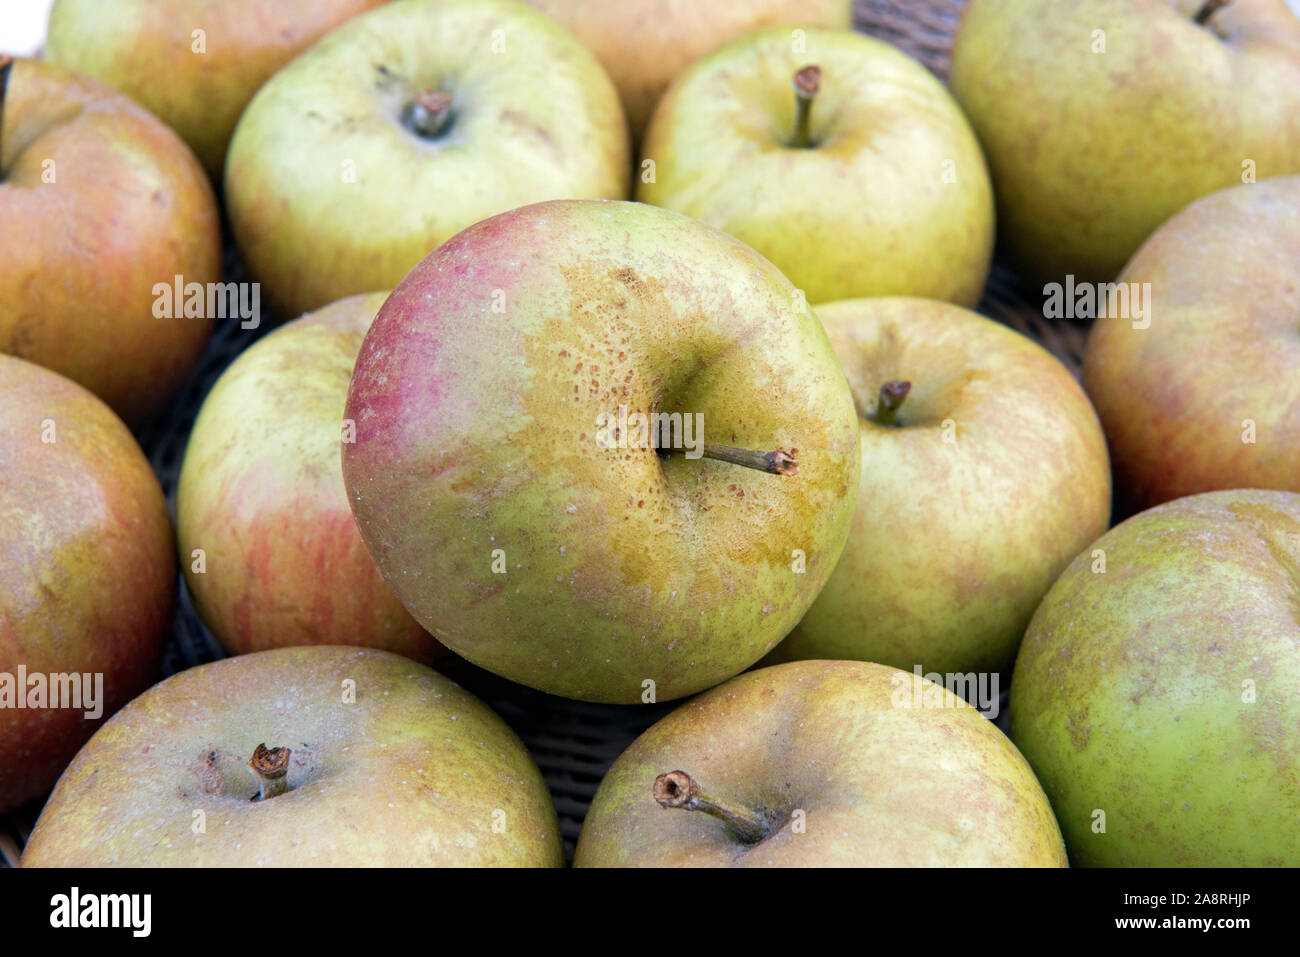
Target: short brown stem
1209	9
679	789
807	83
429	113
777	462
271	765
892	394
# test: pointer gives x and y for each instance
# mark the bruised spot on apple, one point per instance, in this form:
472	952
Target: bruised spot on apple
984	472
270	549
88	580
585	564
100	202
301	757
821	763
1156	700
1205	395
404	126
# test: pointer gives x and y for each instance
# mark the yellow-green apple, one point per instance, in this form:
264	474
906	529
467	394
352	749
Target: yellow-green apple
1204	393
322	756
1090	147
984	472
87	573
270	550
194	63
1155	692
845	162
554	415
406	125
101	203
644	44
821	764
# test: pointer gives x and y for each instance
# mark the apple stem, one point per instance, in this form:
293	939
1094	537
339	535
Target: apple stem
429	113
807	83
892	394
777	462
1209	9
679	789
271	765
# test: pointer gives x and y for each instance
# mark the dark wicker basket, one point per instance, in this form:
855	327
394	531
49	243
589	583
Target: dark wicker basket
573	742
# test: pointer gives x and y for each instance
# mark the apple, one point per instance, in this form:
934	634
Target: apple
1092	147
87	573
321	756
406	125
507	475
194	63
101	203
1205	394
846	163
271	553
1155	692
644	44
821	764
979	484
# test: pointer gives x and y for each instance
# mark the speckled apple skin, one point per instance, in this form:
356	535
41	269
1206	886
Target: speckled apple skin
477	431
261	494
1130	694
87	565
414	771
882	778
100	201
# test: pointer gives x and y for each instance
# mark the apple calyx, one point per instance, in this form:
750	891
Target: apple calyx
271	765
892	394
1209	9
679	789
807	83
428	114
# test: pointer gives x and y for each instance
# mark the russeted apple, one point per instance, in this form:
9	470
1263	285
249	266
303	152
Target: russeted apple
268	544
404	126
1155	691
821	764
1206	394
301	757
984	472
194	64
645	43
87	573
100	203
843	161
1100	119
602	450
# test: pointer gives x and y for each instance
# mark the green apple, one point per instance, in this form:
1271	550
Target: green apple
100	203
324	756
406	125
1205	394
87	573
271	553
1155	692
843	161
821	764
509	480
194	64
1092	146
644	44
979	486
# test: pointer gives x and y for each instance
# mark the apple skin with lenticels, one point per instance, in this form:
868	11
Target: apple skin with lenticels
389	764
111	203
822	764
542	550
269	547
87	569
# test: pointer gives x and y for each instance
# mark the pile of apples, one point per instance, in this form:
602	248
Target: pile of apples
636	362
